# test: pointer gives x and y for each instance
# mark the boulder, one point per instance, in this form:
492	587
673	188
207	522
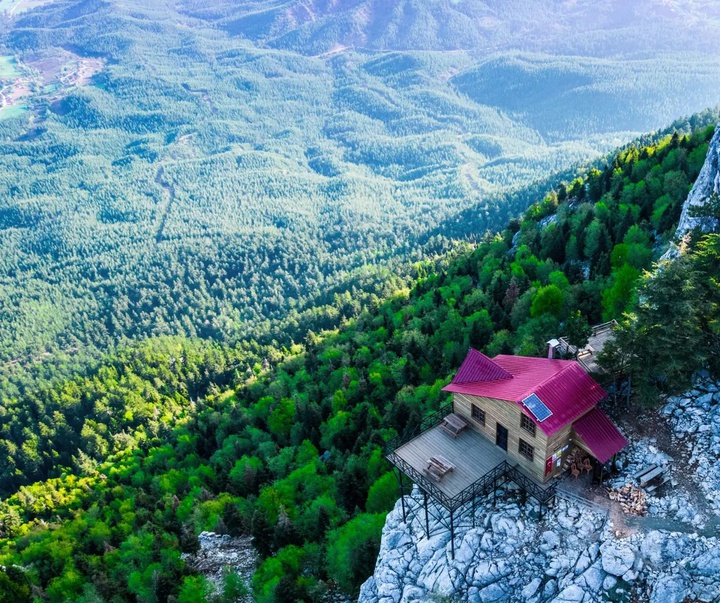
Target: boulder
669	589
708	564
571	594
609	582
616	558
593	578
504	526
493	593
529	591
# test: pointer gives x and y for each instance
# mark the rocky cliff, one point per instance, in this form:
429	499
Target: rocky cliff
580	552
707	187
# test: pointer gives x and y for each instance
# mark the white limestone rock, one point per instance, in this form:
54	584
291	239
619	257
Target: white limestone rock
592	578
529	591
708	564
571	594
669	589
494	593
706	185
617	558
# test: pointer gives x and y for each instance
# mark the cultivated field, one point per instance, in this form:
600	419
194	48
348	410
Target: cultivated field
8	66
13	7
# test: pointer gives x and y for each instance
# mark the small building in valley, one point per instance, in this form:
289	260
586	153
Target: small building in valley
537	410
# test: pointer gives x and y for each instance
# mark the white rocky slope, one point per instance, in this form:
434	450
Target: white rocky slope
219	553
573	554
706	185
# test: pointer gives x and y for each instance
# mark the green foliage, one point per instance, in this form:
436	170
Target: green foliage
547	300
674	327
194	589
353	550
14	586
234	589
383	494
165	439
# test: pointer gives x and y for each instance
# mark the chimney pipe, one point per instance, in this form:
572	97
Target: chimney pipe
552	344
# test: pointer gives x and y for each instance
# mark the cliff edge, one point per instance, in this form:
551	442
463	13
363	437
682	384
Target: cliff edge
706	187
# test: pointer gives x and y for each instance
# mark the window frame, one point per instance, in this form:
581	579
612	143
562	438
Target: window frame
531	449
480	418
527	424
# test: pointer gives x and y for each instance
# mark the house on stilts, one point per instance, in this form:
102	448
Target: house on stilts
511	418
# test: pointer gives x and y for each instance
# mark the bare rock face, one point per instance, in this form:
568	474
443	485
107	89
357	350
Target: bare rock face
507	554
705	188
220	553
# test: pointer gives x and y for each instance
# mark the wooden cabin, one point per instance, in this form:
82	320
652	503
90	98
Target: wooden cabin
537	410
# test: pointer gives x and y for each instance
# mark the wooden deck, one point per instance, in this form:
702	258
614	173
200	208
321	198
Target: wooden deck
588	355
472	455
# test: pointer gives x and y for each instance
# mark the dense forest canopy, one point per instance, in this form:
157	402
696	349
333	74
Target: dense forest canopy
205	170
172	437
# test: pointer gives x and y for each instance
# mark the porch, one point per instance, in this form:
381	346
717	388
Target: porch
475	467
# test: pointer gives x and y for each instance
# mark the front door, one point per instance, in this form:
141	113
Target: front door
501	437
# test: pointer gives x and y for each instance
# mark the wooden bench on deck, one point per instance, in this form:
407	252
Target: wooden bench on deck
453	424
438	466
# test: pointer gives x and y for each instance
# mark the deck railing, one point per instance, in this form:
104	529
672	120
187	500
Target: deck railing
540	494
480	487
432	420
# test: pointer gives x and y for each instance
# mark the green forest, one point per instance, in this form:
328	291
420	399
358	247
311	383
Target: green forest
206	182
109	476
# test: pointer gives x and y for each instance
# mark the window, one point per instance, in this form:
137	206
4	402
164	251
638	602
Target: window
477	414
526	450
527	424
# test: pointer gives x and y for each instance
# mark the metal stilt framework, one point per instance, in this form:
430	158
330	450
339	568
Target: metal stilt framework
458	507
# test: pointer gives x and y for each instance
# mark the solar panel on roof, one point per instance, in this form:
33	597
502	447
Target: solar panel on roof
537	407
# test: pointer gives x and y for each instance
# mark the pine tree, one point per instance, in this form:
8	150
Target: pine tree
661	343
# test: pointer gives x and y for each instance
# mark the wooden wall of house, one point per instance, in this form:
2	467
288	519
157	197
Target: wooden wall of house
558	441
508	415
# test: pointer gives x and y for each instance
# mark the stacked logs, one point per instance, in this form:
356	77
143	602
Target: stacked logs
632	499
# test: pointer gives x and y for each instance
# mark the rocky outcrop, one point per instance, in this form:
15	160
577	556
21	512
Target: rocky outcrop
706	186
511	557
219	553
572	555
695	420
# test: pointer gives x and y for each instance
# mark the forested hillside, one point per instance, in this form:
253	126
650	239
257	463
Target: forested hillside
292	453
173	168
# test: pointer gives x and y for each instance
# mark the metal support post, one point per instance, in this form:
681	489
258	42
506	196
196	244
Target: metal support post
427	521
402	497
452	535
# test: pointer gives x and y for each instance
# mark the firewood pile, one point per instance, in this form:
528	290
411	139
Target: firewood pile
632	499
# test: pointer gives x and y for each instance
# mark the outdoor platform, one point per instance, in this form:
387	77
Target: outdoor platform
472	455
588	356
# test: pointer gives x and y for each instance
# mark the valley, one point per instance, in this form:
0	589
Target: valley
244	244
353	154
120	468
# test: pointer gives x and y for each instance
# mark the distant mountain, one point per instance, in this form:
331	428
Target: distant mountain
211	168
566	68
583	27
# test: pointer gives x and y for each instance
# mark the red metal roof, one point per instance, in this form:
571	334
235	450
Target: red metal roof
478	367
562	385
600	435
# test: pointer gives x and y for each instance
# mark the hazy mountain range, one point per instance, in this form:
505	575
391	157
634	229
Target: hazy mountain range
198	167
